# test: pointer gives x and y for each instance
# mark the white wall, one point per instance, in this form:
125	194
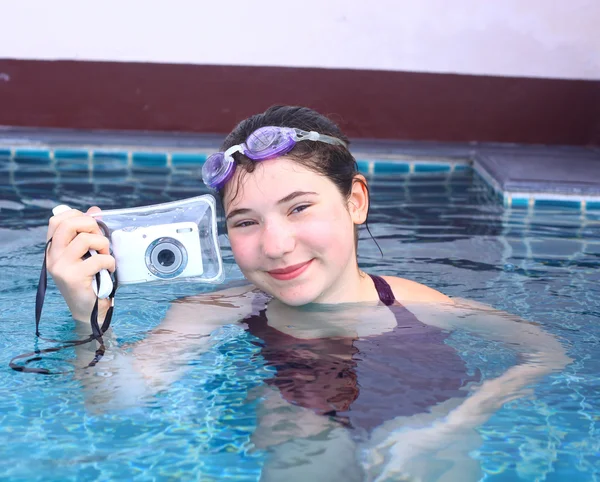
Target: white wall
539	38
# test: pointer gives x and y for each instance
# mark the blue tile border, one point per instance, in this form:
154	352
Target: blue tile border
104	159
392	166
518	202
186	158
149	158
363	166
558	203
432	167
71	154
539	202
100	154
32	154
389	167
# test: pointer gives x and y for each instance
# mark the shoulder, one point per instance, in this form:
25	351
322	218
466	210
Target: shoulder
233	291
216	308
406	290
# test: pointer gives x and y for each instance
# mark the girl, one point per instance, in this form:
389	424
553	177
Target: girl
334	335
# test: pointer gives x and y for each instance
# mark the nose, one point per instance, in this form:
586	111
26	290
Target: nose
278	239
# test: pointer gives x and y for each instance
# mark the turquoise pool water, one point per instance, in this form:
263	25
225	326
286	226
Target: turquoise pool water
446	230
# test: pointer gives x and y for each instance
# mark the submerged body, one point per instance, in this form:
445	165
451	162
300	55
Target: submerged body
342	377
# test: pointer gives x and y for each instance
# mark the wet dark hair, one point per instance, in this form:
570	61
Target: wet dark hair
332	161
335	162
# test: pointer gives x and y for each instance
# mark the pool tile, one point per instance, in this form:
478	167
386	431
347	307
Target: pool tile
388	167
108	181
592	205
558	203
431	167
73	176
5	152
363	166
71	154
73	185
148	159
151	170
33	176
121	155
4	178
519	202
109	167
178	158
41	156
72	165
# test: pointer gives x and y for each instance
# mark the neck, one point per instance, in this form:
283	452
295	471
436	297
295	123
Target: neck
353	285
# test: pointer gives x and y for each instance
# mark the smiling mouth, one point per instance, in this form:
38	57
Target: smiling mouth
290	272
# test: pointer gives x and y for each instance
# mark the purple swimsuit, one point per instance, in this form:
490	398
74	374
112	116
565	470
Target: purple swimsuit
364	382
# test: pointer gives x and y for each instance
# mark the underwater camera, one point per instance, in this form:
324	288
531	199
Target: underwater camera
160	252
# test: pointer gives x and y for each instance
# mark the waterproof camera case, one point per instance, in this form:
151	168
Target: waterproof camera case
162	242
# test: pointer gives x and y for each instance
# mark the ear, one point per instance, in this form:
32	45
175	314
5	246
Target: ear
358	201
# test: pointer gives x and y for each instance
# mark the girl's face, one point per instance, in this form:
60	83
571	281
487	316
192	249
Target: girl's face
292	232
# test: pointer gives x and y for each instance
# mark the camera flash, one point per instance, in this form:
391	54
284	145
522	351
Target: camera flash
184	230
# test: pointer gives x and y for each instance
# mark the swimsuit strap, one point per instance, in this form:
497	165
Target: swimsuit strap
384	290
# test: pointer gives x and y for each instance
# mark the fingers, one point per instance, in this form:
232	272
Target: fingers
55	221
71	256
63	231
83	242
95	263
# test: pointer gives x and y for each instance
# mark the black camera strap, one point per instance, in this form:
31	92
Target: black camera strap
97	330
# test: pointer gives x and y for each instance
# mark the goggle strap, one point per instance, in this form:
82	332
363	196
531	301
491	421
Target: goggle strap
232	150
301	135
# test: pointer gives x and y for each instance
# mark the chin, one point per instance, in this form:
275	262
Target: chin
296	300
290	296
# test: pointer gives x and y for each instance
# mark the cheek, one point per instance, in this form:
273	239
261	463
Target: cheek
243	250
330	234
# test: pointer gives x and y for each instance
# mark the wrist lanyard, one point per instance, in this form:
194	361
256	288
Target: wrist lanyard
97	331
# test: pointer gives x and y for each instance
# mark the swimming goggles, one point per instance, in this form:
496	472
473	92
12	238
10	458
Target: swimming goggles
264	143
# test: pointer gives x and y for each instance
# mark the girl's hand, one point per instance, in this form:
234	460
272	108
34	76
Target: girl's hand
73	235
403	451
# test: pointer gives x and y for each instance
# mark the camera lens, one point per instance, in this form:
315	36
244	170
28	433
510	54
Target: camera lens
166	258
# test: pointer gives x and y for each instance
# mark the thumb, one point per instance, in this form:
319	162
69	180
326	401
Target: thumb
93	210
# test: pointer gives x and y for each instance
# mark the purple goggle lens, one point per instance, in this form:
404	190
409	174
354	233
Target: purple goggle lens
269	142
217	170
264	143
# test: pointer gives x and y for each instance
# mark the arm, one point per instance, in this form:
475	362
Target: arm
434	308
541	353
133	372
185	329
538	348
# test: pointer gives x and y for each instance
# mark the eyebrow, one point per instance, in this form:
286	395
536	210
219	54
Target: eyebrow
283	200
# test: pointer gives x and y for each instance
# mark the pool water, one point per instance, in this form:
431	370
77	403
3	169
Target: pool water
446	230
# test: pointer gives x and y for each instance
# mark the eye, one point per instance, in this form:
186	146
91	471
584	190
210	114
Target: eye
244	224
299	209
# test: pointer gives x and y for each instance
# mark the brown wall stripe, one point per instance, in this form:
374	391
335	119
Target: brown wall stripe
368	104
